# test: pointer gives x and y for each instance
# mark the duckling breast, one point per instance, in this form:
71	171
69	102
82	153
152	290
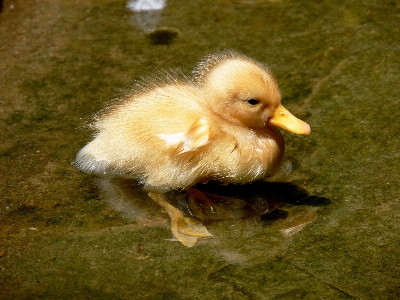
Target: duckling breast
244	155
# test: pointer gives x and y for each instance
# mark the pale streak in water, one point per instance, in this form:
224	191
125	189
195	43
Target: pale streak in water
147	13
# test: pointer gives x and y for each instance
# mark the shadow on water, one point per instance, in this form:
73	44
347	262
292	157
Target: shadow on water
212	201
283	192
283	205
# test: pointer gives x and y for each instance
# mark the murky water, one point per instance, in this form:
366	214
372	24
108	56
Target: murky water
67	234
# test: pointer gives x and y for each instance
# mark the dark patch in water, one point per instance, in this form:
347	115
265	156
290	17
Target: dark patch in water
24	209
162	36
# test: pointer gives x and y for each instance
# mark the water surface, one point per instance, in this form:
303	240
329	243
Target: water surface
337	65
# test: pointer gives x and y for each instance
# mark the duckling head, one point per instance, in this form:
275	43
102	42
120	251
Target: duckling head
244	92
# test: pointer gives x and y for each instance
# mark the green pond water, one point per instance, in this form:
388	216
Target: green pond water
68	235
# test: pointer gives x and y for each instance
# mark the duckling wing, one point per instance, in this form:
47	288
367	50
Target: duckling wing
197	136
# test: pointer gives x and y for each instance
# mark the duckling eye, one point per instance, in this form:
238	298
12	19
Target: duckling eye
253	102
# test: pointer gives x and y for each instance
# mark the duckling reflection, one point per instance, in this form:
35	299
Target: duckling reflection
212	201
173	133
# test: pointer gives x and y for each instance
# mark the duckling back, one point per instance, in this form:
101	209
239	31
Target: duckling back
138	137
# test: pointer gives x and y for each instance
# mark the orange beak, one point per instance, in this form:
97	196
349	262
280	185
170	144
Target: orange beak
284	119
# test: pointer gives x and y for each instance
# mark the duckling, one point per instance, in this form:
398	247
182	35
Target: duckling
172	133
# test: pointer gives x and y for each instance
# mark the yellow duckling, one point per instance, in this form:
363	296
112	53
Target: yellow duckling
173	133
